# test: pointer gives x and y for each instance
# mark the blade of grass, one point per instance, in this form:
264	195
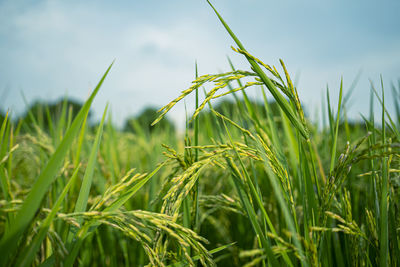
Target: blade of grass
272	125
196	158
384	238
61	121
330	115
50	124
80	142
3	147
395	96
370	124
333	149
26	258
394	128
347	96
110	152
30	114
252	214
81	203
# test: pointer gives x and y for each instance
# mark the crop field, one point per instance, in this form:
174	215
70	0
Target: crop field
247	183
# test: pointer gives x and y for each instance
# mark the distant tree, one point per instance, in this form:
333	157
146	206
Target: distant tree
43	113
142	122
231	109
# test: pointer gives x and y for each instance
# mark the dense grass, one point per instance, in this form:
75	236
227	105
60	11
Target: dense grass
248	183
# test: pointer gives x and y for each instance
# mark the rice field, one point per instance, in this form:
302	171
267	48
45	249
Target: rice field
248	183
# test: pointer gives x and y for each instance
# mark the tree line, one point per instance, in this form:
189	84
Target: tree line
45	114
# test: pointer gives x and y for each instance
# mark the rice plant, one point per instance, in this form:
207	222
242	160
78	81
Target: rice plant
249	183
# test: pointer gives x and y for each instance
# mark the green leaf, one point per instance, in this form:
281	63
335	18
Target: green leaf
83	197
81	203
26	258
3	146
384	237
333	150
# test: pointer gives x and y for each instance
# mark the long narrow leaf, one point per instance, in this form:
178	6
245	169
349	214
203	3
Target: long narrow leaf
28	256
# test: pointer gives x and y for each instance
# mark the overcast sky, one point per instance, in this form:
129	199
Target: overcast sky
49	49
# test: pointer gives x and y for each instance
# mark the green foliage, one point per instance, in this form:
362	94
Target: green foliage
251	184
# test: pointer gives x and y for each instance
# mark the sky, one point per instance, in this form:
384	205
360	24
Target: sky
51	49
